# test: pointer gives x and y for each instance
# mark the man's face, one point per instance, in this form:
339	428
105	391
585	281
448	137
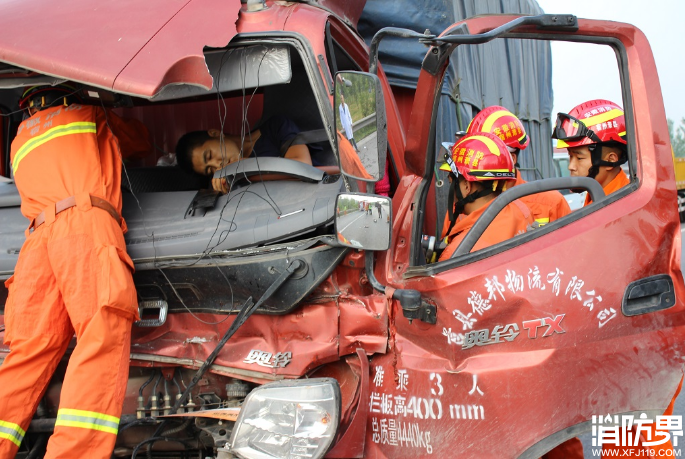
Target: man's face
579	161
214	155
515	156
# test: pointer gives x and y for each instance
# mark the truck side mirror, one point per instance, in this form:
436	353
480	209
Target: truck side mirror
361	136
363	221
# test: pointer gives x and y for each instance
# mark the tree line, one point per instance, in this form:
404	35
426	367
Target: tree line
677	134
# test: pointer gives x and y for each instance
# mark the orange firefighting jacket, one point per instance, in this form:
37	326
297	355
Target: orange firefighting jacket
616	184
349	158
547	206
65	151
512	220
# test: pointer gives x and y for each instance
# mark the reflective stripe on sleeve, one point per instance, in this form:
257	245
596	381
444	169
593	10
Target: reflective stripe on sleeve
87	420
11	432
80	127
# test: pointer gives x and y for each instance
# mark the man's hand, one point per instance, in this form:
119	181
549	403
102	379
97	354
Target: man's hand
221	185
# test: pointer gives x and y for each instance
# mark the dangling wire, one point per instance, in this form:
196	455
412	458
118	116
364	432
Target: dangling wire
245	132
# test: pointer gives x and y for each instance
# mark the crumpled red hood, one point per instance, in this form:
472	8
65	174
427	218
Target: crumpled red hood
130	46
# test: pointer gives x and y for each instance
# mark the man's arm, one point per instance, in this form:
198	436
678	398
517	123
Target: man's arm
296	153
299	153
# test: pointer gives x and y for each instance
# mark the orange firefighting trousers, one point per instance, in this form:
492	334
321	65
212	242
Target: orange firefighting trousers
73	277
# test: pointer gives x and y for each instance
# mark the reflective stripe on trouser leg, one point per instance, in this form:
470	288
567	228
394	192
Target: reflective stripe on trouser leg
12	432
84	250
38	332
87	420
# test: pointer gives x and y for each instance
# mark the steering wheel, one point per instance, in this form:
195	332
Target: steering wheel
524	189
270	165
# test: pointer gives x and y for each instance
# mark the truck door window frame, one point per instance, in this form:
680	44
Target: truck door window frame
300	44
417	265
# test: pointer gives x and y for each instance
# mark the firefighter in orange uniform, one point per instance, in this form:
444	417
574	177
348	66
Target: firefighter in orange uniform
594	133
73	277
546	206
349	159
480	169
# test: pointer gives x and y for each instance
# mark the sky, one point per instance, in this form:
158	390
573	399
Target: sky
662	23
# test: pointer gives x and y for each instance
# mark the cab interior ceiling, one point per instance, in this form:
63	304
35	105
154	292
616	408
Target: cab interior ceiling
166	121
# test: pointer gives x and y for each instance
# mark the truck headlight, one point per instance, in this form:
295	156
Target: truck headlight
288	419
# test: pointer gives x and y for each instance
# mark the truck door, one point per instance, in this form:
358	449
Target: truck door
535	335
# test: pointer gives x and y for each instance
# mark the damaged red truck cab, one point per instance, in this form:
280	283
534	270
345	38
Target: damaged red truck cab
504	352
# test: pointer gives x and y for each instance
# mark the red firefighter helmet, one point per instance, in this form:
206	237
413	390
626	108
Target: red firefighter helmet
592	122
501	122
480	156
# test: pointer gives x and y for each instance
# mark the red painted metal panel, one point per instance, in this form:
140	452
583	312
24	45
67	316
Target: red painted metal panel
349	10
309	334
498	398
404	97
351	443
174	54
94	42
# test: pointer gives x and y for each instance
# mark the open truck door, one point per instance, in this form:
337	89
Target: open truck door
535	335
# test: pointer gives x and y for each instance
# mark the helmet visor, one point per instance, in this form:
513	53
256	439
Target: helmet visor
449	165
570	129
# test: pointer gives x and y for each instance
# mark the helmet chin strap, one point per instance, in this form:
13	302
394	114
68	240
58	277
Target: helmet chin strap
454	209
597	161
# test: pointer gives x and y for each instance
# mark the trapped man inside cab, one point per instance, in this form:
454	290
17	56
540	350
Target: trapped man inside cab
480	169
594	134
205	152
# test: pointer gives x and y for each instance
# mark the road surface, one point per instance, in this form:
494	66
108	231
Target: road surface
356	224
